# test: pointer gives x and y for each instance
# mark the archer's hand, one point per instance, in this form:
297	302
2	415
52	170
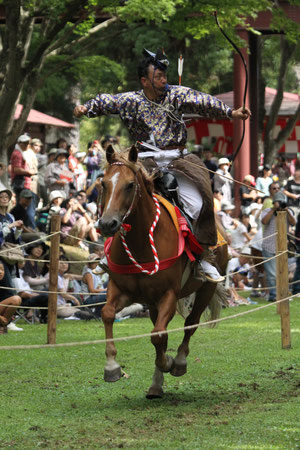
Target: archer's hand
241	113
79	110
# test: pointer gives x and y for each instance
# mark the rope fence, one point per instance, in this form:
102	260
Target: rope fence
141	336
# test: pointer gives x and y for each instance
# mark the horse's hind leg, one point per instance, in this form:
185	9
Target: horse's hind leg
202	300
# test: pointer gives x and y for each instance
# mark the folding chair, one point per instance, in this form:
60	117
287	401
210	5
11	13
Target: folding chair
21	314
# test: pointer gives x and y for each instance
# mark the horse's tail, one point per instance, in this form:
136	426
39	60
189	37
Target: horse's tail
218	301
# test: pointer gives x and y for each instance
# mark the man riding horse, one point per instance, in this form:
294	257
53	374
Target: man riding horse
154	117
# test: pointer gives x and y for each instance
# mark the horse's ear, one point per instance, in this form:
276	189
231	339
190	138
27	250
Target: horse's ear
133	154
110	154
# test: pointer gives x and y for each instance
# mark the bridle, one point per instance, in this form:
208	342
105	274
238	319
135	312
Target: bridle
128	212
125	227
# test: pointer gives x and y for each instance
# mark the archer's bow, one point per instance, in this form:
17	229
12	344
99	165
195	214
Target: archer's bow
246	82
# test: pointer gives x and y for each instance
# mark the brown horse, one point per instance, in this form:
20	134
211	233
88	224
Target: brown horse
126	195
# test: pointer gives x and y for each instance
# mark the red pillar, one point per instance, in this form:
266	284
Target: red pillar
242	161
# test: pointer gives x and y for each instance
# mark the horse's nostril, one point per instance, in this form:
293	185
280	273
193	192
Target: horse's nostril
109	227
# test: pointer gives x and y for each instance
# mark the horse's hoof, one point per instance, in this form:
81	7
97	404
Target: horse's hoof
178	370
112	375
154	393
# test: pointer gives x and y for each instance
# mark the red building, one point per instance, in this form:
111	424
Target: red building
218	134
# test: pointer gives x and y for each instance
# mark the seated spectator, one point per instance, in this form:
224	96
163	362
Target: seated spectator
247	194
29	298
10	231
240	235
32	273
6	298
76	224
239	269
58	177
93	284
263	182
65	300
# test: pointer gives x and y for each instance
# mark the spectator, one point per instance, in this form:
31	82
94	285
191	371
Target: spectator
42	159
223	180
263	182
92	284
80	173
58	177
239	268
10	231
30	156
207	155
228	222
65	300
29	298
240	236
295	163
273	189
6	312
51	155
72	160
61	143
247	193
76	224
93	162
259	276
268	219
282	170
296	280
292	191
32	273
20	212
218	196
20	172
255	210
93	190
55	199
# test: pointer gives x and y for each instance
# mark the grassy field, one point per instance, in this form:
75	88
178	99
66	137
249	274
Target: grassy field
241	390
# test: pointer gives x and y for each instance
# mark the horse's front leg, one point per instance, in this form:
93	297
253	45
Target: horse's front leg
202	300
115	301
165	312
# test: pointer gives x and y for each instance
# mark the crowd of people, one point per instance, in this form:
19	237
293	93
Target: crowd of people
252	234
66	182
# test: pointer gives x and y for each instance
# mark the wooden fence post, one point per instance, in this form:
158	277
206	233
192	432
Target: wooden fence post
282	279
52	299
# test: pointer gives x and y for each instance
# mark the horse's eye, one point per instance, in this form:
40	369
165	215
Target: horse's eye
130	186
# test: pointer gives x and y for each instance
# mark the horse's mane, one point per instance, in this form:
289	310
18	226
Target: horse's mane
122	156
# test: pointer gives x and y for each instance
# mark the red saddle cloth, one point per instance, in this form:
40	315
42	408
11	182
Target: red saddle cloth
186	243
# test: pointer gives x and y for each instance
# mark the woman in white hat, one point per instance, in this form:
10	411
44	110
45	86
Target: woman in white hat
223	181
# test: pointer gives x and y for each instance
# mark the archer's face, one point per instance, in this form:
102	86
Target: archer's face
156	78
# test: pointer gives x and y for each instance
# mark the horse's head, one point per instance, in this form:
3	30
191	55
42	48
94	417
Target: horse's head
119	190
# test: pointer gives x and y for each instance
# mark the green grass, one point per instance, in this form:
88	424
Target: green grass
241	390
